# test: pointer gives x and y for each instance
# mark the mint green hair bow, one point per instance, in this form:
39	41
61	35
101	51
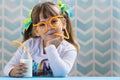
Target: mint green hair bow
64	8
27	23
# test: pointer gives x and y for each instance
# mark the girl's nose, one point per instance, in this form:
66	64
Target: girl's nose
49	27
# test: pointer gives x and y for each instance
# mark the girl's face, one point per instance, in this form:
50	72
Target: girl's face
47	28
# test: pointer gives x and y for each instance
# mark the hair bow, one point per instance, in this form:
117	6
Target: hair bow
64	8
26	23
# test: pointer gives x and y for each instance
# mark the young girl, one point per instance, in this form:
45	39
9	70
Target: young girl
51	43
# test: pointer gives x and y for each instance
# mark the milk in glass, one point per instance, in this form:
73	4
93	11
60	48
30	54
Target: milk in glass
28	62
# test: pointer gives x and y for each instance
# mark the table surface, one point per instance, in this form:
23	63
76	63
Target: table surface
61	78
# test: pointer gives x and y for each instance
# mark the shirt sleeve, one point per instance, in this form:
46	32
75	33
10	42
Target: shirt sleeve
60	66
14	60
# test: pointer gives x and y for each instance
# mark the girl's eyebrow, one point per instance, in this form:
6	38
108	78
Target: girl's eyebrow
44	20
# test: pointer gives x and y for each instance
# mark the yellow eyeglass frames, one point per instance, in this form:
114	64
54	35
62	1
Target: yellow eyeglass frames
54	22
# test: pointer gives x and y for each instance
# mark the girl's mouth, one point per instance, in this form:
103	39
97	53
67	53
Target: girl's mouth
51	33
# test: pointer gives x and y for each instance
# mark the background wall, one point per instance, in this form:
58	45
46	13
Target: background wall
96	24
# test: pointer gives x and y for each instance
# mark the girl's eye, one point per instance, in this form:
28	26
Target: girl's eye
42	25
54	21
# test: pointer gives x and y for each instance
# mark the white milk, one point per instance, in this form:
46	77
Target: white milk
28	63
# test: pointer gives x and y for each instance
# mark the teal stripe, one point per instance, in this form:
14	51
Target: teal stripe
102	15
0	2
103	48
85	26
102	70
84	70
12	15
116	68
116	3
102	4
83	37
115	36
9	47
85	4
116	46
116	14
116	57
102	26
85	15
102	37
103	59
86	48
85	59
15	36
12	26
116	24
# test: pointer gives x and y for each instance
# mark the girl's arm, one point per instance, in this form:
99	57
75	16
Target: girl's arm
14	61
61	66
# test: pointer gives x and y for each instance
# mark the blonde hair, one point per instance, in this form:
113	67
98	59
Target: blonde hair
46	9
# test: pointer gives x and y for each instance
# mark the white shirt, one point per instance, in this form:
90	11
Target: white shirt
60	59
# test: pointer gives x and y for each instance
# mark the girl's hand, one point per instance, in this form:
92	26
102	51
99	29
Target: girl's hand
18	70
55	41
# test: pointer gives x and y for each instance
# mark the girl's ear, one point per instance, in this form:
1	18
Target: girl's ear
64	23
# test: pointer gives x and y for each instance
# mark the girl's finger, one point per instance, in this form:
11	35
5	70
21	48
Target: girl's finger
19	75
23	67
24	70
